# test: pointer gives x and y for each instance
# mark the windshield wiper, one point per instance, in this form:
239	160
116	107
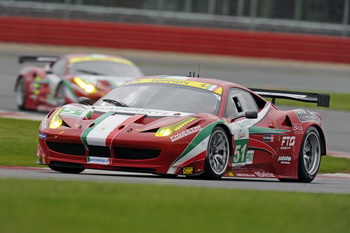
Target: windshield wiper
89	72
115	102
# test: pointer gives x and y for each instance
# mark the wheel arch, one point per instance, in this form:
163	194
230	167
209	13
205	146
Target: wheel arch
228	133
322	137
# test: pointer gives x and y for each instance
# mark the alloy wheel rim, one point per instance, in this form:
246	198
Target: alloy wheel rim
311	153
218	152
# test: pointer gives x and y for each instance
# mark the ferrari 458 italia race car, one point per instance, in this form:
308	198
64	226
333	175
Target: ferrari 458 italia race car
64	79
174	125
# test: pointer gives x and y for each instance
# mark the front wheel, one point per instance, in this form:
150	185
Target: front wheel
218	153
21	94
61	95
309	156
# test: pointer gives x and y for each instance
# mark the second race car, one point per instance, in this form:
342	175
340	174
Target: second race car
64	79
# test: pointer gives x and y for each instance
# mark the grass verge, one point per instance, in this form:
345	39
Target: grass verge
72	206
20	138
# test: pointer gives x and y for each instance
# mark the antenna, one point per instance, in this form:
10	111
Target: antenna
199	69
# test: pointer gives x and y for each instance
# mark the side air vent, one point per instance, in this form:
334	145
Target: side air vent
133	153
67	148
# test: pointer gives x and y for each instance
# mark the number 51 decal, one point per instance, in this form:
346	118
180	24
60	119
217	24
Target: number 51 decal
242	156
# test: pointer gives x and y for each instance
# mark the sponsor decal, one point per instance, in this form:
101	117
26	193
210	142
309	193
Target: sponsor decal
250	156
241	174
98	160
287	142
230	174
284	159
201	85
264	174
305	115
241	134
268	138
187	170
42	136
185	133
298	129
139	111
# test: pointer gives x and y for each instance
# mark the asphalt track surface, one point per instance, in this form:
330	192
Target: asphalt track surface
328	183
247	72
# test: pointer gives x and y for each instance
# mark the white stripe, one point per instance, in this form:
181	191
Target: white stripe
193	153
98	135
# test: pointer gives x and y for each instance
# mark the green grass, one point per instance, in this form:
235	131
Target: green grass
334	165
19	140
338	101
72	206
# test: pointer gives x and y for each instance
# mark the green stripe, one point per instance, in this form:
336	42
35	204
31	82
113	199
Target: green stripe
262	130
203	134
89	129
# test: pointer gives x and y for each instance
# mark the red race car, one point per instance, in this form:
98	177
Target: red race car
64	79
186	126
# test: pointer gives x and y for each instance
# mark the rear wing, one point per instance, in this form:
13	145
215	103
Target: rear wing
44	59
321	99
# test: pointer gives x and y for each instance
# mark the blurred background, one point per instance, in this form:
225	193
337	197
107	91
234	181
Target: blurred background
329	17
289	44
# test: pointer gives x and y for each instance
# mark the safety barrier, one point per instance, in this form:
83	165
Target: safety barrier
171	38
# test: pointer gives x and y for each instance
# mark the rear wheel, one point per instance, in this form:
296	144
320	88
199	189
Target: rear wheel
21	94
66	169
309	156
218	153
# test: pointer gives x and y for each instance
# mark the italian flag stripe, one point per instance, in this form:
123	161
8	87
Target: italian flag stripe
89	129
127	120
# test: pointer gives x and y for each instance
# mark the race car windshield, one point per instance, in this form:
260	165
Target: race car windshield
105	68
164	97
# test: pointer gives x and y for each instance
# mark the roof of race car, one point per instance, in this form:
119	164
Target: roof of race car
74	58
214	85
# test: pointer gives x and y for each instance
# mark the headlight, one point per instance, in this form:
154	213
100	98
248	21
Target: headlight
89	88
56	120
167	130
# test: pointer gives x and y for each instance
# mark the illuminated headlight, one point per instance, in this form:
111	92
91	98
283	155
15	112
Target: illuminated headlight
56	120
167	130
89	88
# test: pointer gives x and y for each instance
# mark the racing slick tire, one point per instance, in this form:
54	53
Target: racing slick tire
218	153
62	169
309	156
21	93
61	95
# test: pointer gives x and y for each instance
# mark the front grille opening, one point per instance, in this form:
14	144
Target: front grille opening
99	151
67	148
134	153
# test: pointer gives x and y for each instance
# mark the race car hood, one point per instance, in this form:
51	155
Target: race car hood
98	125
76	116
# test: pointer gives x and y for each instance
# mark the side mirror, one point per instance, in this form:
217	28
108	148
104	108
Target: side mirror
84	100
251	114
